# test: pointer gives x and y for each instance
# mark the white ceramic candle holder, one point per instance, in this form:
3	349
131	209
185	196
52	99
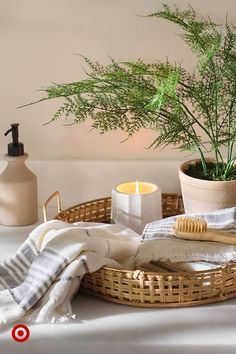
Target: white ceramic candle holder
135	204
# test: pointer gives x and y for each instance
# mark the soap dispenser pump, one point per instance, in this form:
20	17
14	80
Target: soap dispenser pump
18	186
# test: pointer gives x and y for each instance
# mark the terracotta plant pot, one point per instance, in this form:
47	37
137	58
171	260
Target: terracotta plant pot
200	195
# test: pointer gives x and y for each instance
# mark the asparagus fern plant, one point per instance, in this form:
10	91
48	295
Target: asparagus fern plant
194	111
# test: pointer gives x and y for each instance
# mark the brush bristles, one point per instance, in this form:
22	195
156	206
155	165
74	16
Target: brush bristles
191	225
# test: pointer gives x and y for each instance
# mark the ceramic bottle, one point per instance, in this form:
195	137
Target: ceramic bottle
18	186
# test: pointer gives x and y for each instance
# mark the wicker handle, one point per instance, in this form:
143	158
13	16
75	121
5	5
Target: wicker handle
58	196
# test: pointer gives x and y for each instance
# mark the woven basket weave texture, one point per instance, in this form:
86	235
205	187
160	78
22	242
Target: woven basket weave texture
149	289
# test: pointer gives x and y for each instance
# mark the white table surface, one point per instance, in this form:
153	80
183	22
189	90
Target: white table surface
105	328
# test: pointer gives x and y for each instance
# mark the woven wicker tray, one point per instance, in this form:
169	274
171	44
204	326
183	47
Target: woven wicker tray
149	289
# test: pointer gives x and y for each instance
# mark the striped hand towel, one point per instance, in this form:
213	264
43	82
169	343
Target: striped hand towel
159	245
39	281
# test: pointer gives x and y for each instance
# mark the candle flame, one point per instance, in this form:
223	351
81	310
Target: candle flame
137	190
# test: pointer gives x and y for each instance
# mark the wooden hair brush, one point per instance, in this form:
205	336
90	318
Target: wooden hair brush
196	229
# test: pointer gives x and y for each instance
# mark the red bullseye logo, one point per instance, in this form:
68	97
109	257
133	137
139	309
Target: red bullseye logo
20	333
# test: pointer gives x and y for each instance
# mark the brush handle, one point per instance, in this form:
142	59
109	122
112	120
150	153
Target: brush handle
209	235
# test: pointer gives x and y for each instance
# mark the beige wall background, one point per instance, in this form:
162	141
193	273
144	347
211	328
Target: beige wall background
38	42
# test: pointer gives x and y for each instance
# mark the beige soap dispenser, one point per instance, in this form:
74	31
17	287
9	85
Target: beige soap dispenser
18	186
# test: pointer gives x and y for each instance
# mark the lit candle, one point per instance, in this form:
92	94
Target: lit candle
135	204
136	188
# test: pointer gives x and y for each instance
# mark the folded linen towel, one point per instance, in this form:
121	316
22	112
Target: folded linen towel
157	266
159	245
42	277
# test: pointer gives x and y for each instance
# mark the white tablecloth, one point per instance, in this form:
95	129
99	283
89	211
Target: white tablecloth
105	328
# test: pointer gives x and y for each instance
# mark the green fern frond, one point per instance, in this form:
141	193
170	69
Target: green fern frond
193	111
